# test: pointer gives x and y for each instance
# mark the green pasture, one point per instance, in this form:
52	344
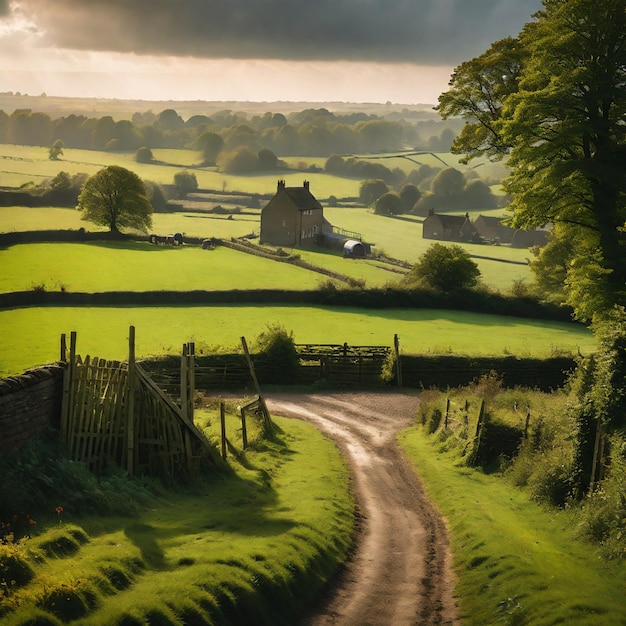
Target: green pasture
137	266
31	335
399	238
516	563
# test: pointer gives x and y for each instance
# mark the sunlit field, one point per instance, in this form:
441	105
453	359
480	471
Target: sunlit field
397	238
20	165
31	335
104	266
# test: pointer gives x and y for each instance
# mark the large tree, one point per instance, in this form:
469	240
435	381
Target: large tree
116	197
558	113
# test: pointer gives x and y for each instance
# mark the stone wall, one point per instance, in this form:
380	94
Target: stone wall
29	405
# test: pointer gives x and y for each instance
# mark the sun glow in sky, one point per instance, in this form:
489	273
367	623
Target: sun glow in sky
254	50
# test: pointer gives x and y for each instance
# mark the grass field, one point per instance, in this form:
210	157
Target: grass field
398	238
31	335
20	165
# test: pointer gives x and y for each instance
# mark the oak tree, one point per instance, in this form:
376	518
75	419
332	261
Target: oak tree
116	197
553	102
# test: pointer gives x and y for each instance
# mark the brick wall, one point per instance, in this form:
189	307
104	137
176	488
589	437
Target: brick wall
29	405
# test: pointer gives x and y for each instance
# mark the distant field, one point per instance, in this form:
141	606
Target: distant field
135	266
20	165
400	238
97	267
31	335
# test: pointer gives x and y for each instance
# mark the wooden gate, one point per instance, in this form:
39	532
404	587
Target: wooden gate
113	413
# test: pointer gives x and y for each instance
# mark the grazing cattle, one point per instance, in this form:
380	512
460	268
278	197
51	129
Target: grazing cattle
167	240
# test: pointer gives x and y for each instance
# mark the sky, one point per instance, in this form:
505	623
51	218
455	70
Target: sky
400	51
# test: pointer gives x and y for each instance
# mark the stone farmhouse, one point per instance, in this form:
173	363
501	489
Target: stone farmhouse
449	228
484	229
294	218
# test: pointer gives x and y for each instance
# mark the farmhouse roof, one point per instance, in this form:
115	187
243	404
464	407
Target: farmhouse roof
300	196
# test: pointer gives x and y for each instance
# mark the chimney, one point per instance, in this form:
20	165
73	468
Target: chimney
281	184
306	184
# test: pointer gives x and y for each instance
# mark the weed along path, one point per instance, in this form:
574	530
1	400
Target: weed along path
400	572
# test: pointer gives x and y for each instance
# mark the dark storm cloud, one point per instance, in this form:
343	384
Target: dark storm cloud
417	31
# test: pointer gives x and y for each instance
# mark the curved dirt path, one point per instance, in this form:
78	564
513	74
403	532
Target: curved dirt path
400	573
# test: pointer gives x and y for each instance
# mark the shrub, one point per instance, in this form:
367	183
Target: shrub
144	155
444	267
277	359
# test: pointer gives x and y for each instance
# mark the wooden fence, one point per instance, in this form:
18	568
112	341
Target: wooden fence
113	413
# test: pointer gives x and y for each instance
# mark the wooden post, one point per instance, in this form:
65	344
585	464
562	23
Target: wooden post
184	386
396	347
244	428
266	413
445	421
130	416
191	378
527	424
596	456
223	427
68	384
63	355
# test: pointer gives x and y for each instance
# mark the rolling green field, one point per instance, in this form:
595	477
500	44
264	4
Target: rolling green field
397	238
31	335
20	165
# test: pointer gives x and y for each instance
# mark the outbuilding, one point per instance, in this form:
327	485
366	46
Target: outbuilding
354	248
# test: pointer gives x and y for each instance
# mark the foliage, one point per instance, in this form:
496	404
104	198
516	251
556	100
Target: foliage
38	476
409	194
242	159
185	182
210	144
116	197
554	102
450	190
371	189
144	155
444	267
56	150
389	203
276	355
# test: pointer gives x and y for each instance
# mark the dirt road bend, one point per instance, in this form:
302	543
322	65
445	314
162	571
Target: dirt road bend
400	573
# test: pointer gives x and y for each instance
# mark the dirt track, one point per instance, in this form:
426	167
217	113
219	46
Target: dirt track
400	573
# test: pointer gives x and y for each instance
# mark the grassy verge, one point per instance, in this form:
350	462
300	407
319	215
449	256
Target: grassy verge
516	563
253	544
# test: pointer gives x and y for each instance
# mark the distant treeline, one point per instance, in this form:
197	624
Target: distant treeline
312	132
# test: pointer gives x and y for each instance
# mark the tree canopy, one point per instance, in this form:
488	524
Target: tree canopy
116	197
444	267
553	102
